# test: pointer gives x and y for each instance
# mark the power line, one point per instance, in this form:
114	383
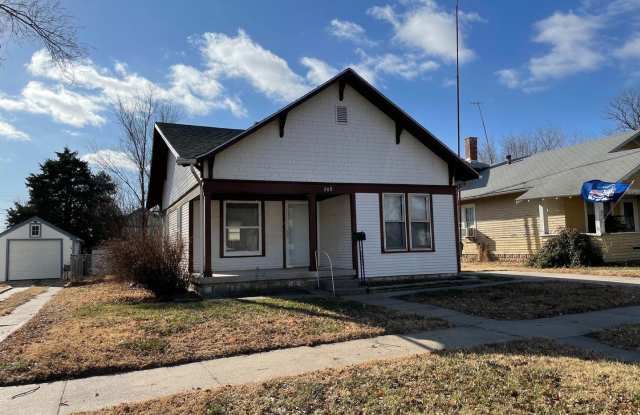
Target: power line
486	135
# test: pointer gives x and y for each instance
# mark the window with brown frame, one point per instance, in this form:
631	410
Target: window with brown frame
242	228
407	222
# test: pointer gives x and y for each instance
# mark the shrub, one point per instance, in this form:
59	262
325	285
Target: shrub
150	260
569	248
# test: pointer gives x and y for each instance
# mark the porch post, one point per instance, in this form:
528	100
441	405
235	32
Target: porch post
598	208
206	232
313	231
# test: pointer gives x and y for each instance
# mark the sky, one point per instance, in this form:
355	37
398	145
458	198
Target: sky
231	63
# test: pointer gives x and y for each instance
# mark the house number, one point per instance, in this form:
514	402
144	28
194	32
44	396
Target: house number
327	189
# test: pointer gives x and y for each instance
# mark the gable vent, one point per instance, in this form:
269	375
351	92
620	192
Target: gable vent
341	114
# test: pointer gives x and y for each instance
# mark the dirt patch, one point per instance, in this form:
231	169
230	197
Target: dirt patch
18	298
531	300
109	327
535	376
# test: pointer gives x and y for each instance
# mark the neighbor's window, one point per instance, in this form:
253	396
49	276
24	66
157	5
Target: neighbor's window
179	224
420	222
242	228
591	217
34	230
393	211
628	216
468	221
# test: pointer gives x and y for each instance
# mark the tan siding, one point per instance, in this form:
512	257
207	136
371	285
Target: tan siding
574	208
620	247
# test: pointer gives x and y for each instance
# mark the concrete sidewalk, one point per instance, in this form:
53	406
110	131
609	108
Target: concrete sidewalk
23	313
101	391
561	276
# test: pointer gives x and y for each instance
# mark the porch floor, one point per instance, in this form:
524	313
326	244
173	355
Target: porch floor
261	274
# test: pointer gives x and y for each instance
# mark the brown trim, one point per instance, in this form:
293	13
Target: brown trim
284	234
207	269
354	229
313	231
457	230
285	188
384	104
262	230
191	236
407	224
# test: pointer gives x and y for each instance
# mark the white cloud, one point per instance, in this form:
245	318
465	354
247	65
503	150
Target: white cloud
12	133
241	57
319	71
344	29
113	158
407	66
572	41
429	28
630	49
509	77
61	104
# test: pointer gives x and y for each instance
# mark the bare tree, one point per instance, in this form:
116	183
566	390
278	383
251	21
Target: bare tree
136	116
44	21
624	110
541	139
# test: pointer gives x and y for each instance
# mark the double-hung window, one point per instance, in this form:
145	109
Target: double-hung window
468	222
242	228
394	214
407	222
420	222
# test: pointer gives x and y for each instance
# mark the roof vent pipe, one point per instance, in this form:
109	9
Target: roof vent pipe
508	157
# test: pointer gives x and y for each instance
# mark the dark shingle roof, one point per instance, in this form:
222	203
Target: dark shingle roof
190	141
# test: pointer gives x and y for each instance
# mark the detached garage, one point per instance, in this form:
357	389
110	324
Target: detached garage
35	249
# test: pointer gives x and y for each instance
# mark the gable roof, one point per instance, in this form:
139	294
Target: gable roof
190	141
39	219
461	169
559	172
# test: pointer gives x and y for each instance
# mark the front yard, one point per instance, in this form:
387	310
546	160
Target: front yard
533	376
609	271
624	337
531	300
18	298
108	327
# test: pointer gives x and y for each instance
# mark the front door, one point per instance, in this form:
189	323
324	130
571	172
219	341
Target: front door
297	233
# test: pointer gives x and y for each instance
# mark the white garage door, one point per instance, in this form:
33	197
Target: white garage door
34	259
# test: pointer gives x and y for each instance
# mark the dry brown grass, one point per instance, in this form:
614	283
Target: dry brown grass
535	376
109	327
531	300
608	271
17	299
3	287
624	337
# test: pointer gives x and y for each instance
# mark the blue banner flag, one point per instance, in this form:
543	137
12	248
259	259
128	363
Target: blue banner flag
599	191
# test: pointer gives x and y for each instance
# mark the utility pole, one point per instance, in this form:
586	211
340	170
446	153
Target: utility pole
458	213
486	135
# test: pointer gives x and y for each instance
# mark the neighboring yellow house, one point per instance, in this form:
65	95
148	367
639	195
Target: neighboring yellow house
509	212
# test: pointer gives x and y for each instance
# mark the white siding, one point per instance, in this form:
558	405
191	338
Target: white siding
315	148
197	237
178	181
441	261
23	233
273	239
334	229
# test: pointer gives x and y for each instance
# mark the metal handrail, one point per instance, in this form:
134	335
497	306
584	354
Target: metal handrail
317	255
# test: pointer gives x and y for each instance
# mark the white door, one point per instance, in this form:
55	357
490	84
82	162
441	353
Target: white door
297	234
34	259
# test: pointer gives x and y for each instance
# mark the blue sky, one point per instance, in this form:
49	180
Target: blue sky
531	64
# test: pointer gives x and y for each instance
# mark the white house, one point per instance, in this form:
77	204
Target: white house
339	160
35	249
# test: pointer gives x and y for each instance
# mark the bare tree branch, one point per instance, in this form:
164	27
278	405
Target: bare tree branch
541	139
624	110
44	21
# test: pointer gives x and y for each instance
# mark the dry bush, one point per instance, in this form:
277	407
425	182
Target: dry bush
151	260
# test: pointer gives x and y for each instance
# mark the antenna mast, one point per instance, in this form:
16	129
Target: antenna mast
458	77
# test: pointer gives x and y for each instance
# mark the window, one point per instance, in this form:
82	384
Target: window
179	224
34	230
394	222
242	228
407	222
420	222
591	217
468	222
629	216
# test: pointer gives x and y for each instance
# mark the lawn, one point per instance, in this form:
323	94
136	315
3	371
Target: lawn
18	298
624	337
530	300
108	327
3	287
534	376
609	271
